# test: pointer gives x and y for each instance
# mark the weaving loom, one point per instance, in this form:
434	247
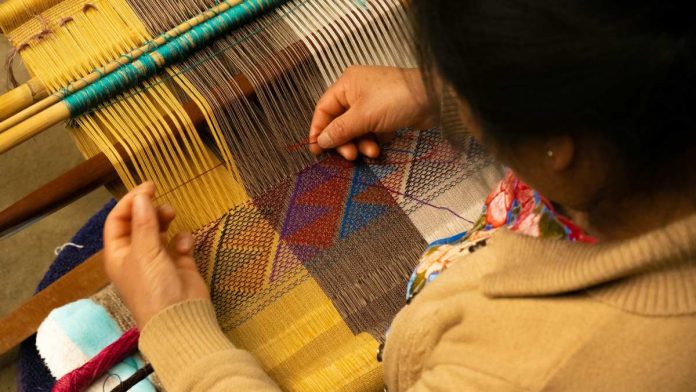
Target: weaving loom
306	261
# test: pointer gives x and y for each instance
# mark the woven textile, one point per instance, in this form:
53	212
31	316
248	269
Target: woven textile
308	275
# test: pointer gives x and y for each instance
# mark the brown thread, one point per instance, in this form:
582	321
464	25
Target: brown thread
88	6
63	21
297	146
9	61
14	52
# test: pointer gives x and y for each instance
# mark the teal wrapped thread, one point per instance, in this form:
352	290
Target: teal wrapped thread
178	49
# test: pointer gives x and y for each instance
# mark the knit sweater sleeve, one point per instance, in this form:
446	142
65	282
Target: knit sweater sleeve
189	352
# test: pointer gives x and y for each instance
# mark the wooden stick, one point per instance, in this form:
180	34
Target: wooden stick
18	98
83	281
75	183
33	126
28	94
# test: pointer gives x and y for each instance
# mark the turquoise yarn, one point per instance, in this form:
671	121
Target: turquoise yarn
178	49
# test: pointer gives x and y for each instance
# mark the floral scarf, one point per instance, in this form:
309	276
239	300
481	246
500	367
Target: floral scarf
512	204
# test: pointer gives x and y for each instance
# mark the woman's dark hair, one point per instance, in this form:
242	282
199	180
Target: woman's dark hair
622	69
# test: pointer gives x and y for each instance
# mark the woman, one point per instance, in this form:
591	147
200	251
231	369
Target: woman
591	104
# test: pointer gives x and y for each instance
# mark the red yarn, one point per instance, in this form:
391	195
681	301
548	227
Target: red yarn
81	378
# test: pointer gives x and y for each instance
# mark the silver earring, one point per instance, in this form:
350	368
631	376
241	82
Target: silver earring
549	153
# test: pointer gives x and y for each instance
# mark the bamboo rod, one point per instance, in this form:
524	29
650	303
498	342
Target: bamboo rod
35	93
20	97
33	126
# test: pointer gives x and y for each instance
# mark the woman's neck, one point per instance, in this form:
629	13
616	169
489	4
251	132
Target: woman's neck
631	216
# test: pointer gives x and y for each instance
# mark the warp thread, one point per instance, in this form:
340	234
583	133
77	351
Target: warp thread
138	376
14	52
404	194
425	157
81	378
62	247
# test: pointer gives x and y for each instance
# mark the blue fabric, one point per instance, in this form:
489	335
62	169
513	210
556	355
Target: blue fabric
102	330
91	328
33	376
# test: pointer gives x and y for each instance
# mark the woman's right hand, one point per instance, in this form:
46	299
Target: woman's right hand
369	103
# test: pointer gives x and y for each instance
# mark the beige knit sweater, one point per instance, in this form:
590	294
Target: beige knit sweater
521	314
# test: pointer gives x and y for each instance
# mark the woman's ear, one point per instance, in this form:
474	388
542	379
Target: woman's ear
560	152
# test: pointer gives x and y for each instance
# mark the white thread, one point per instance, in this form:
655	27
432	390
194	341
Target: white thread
60	248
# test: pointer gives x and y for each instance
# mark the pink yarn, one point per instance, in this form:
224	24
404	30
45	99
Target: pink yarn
81	378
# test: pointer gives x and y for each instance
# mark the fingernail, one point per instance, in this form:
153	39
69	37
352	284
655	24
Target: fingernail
325	141
167	209
139	205
185	243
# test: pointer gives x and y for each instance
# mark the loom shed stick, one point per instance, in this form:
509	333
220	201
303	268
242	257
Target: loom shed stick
27	94
130	75
83	281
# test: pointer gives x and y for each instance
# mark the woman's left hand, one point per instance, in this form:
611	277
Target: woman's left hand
149	273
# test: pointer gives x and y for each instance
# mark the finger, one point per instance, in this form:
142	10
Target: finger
348	151
331	105
181	245
117	227
368	147
343	129
146	241
187	263
165	216
191	278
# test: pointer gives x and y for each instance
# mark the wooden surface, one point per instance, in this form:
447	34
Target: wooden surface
83	281
75	183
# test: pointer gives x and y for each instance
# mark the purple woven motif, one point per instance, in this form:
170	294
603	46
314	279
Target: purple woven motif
344	224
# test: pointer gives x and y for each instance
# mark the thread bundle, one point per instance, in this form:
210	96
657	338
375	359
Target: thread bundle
81	378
